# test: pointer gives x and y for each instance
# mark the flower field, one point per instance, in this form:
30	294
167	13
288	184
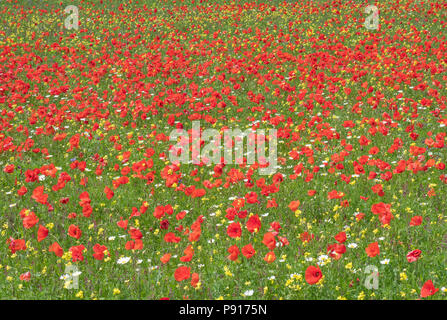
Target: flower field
92	206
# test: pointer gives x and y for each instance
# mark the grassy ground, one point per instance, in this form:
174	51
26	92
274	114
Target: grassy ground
131	73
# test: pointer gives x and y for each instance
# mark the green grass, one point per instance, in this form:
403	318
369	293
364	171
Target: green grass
323	50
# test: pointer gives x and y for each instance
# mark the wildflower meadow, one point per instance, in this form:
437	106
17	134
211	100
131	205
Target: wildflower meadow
198	149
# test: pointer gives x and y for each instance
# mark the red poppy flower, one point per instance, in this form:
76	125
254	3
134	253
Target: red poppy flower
165	258
270	257
234	230
22	191
9	168
253	223
234	252
134	245
135	233
30	220
428	289
42	233
74	231
248	251
251	197
416	221
171	237
25	276
272	203
122	223
238	203
341	237
57	249
313	274
164	224
372	250
16	245
39	195
159	212
293	205
76	253
109	192
336	250
195	279
306	237
334	194
182	273
269	240
414	255
189	253
180	215
99	251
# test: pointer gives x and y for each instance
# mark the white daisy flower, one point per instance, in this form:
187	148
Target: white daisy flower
308	259
248	293
123	260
